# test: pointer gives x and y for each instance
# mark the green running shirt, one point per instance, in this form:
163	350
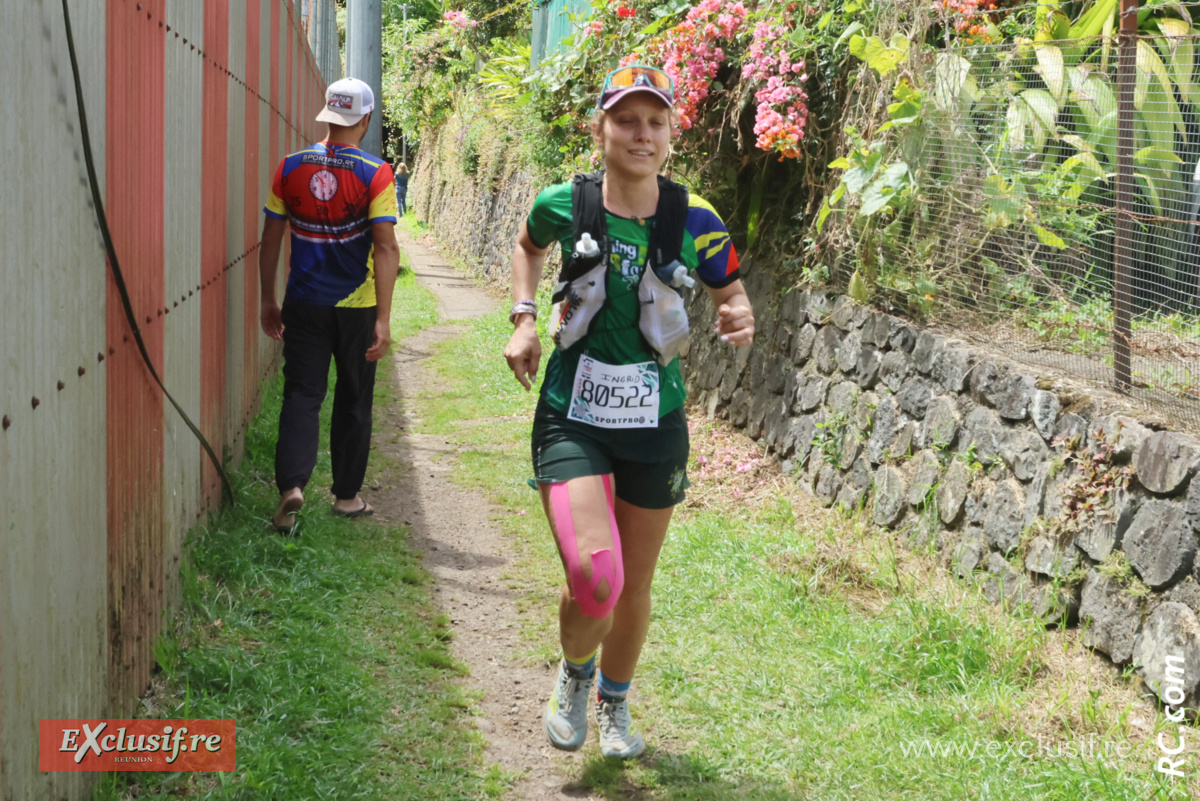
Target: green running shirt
614	337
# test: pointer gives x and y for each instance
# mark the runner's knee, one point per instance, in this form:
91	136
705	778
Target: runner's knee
598	595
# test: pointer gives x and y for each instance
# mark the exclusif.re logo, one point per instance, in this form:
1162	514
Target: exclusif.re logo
104	744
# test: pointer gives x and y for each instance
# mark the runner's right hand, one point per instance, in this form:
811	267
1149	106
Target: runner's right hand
524	352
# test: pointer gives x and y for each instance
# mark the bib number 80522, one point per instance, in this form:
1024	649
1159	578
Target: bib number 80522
636	396
615	396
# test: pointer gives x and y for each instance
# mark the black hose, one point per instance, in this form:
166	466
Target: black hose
118	277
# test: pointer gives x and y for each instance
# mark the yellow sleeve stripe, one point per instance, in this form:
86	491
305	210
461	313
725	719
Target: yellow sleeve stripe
275	204
363	159
711	244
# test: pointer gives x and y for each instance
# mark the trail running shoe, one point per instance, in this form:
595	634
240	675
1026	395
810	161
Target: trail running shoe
566	714
616	739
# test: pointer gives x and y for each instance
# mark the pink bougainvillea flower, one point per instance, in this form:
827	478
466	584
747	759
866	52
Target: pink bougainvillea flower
460	20
782	111
690	53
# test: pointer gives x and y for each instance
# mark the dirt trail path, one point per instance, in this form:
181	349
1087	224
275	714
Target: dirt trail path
464	551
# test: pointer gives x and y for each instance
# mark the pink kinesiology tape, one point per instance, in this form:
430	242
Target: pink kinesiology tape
606	562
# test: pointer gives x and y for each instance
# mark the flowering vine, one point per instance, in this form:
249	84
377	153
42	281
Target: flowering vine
972	13
460	20
782	108
690	53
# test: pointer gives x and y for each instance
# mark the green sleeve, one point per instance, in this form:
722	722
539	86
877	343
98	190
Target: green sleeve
550	219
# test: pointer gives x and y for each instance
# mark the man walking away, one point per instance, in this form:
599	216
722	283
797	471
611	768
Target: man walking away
341	204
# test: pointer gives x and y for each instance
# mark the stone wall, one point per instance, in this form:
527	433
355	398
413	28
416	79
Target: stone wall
475	214
1057	501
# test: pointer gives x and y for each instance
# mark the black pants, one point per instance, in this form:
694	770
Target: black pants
312	334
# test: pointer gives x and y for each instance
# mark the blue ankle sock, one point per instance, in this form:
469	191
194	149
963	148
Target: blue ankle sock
583	668
609	690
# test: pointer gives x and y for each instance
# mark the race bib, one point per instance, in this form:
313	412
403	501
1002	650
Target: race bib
615	396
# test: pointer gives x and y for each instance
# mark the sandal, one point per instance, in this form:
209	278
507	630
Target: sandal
366	510
287	513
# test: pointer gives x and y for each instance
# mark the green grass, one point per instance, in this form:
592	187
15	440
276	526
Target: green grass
788	661
326	648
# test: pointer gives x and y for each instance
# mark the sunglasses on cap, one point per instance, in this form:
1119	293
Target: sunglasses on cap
636	77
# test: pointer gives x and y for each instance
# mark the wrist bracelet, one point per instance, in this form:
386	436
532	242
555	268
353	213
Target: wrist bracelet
522	307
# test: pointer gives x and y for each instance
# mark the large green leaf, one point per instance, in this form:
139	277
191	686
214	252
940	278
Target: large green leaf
1015	120
1048	237
857	288
906	110
883	58
954	88
1149	155
1006	202
1151	189
1097	103
1179	52
851	29
1031	118
1078	142
1043	106
827	206
1050	66
894	179
1088	165
1161	166
858	176
1155	95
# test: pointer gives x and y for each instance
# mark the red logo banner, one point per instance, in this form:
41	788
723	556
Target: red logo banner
106	744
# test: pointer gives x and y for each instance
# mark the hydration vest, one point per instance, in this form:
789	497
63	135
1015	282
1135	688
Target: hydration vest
581	290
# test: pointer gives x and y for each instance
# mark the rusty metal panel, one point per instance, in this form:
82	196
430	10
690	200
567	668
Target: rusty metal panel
182	456
53	657
289	97
213	245
231	280
269	349
274	126
252	202
278	145
134	201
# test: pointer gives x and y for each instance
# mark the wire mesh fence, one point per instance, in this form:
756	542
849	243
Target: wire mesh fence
1038	191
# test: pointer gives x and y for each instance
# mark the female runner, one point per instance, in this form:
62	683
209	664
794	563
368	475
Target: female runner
610	439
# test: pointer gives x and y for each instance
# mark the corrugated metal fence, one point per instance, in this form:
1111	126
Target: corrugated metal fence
553	22
191	104
320	20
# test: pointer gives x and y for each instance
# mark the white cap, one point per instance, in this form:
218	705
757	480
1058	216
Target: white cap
346	102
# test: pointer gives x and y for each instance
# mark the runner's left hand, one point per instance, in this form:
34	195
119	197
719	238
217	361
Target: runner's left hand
735	324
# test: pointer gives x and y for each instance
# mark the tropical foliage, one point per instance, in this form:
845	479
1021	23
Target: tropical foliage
953	152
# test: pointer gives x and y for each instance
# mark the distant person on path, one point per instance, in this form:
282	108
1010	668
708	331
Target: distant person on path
402	188
610	438
341	204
